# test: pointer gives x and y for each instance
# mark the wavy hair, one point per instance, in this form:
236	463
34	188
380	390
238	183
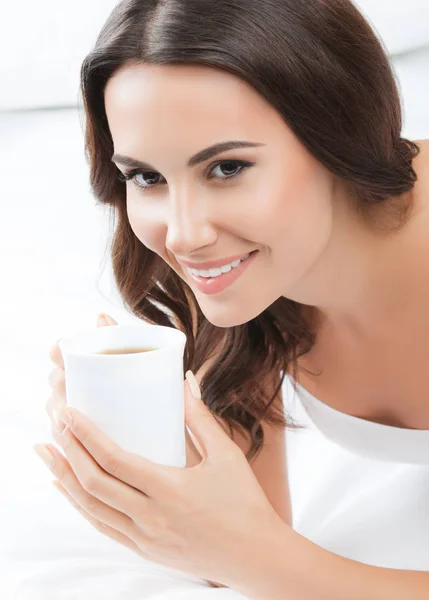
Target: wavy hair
322	67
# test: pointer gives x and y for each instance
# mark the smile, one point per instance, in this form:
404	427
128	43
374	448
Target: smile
219	282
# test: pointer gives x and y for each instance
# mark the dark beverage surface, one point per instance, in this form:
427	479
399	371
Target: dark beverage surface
126	350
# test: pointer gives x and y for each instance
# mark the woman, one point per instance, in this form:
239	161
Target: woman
263	140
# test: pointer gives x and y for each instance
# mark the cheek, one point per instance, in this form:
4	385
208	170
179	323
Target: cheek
147	227
295	223
275	211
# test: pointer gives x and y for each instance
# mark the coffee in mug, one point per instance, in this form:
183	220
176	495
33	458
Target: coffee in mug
126	351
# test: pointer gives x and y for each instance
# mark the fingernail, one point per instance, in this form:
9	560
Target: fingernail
193	384
102	320
45	454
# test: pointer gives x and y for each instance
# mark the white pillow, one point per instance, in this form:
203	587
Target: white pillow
40	59
42	46
402	25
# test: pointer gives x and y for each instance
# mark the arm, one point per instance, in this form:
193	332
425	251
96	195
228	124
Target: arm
269	467
284	565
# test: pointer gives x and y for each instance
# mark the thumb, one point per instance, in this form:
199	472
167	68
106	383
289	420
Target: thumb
104	320
210	438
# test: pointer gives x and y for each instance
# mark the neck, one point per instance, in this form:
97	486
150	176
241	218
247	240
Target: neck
369	284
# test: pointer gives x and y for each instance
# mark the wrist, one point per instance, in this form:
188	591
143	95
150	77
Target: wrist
274	562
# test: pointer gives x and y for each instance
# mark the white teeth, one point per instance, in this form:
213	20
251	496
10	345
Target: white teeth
219	271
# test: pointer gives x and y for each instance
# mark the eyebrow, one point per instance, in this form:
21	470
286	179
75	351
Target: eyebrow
198	158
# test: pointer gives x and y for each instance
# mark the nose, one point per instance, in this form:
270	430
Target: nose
189	228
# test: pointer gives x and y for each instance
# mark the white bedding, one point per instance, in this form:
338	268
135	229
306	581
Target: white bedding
366	510
48	552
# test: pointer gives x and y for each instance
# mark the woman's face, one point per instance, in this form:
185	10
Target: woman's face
278	199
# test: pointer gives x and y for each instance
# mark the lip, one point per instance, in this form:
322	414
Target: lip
214	263
215	285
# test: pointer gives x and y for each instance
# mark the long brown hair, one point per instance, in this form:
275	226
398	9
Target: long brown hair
322	67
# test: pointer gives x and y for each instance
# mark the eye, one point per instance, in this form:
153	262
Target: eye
231	167
151	179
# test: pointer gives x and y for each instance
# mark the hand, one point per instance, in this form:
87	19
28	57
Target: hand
58	400
200	520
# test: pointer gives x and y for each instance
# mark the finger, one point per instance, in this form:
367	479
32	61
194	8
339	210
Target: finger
87	499
149	477
56	356
97	482
106	530
57	379
211	440
56	434
105	320
55	402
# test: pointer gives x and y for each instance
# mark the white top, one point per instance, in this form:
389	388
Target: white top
373	440
359	489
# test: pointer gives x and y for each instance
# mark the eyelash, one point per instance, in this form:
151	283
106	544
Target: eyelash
129	175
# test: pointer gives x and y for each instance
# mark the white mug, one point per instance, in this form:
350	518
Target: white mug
136	399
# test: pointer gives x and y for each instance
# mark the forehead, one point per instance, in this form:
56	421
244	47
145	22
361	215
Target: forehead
184	99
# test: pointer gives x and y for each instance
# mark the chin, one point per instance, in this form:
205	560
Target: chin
225	324
227	318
